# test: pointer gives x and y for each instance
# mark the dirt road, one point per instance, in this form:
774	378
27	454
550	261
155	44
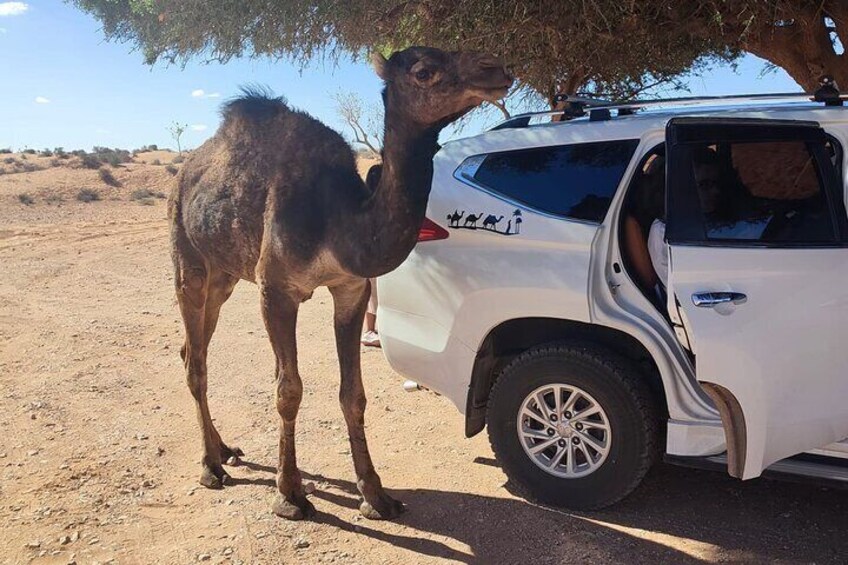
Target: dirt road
99	443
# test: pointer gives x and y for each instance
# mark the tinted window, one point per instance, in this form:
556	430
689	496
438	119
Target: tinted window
763	192
576	181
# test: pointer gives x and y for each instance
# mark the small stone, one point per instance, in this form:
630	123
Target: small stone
301	543
204	557
140	436
260	535
75	536
64	466
32	452
148	484
33	545
309	487
227	551
93	541
160	451
65	540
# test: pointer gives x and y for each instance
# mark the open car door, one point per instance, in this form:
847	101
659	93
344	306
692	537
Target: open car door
758	259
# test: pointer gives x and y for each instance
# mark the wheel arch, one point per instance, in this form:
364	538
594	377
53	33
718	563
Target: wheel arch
512	337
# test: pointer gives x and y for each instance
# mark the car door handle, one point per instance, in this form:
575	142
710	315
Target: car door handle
711	299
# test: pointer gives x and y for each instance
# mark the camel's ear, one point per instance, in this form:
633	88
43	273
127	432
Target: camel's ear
380	65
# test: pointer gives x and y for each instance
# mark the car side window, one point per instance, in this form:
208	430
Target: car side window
763	192
570	181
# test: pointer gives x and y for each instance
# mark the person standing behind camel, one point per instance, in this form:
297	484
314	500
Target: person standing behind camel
370	337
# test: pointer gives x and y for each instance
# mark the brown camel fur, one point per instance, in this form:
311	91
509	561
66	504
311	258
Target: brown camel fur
274	198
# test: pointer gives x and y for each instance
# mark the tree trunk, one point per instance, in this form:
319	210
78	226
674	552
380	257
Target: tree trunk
803	46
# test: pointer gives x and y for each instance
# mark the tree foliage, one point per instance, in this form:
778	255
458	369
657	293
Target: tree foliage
610	47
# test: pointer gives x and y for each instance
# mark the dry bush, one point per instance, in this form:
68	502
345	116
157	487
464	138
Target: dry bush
107	177
26	199
143	194
172	169
88	195
53	198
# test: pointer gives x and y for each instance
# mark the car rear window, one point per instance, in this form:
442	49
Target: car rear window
570	181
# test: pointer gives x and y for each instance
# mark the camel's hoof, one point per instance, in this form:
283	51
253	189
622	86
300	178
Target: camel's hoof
231	455
387	508
293	509
214	478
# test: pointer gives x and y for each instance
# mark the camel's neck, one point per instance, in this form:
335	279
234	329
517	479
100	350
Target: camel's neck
387	224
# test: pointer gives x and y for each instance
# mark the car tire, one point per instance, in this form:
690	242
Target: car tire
610	463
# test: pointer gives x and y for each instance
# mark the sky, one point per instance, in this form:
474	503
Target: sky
63	85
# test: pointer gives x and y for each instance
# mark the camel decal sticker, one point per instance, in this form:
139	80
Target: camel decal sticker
490	222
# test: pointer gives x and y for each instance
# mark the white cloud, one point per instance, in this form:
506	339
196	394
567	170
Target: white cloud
198	127
42	100
13	8
200	93
3	30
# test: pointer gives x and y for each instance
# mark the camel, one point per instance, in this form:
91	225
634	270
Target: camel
455	217
471	220
274	198
491	222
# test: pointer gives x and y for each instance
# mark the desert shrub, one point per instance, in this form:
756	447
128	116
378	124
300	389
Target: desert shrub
178	159
112	156
88	195
5	150
146	148
90	161
78	153
26	199
29	167
55	162
24	157
53	198
156	162
145	194
107	177
10	160
29	151
60	152
46	153
172	169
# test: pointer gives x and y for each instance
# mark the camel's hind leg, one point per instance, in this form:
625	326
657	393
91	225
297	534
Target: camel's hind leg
201	294
350	303
279	310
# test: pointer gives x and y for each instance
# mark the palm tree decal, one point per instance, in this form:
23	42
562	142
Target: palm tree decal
518	220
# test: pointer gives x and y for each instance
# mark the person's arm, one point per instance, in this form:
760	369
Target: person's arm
637	250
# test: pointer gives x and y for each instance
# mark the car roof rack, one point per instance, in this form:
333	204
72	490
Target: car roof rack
599	109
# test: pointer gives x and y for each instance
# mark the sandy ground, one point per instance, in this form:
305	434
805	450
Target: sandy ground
99	445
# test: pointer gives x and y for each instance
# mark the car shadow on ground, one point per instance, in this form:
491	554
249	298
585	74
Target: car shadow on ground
677	516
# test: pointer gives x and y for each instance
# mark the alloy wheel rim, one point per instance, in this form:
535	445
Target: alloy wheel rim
564	431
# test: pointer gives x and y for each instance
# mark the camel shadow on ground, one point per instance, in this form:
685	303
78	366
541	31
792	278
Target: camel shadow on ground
676	516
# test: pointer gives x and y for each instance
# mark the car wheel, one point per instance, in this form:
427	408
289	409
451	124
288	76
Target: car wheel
573	425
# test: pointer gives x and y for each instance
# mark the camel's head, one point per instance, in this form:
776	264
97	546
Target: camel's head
434	87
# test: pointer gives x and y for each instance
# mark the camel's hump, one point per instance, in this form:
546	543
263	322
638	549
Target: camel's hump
256	103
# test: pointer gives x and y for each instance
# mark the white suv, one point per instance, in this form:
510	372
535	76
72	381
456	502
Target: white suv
525	302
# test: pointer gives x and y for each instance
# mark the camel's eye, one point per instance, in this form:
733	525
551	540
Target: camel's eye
423	75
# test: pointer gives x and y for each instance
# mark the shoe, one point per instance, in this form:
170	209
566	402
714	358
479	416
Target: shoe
371	339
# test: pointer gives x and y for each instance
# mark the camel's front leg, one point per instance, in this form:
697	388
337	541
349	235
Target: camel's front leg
350	303
279	310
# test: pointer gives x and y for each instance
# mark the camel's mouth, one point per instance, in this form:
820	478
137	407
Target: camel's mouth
490	94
